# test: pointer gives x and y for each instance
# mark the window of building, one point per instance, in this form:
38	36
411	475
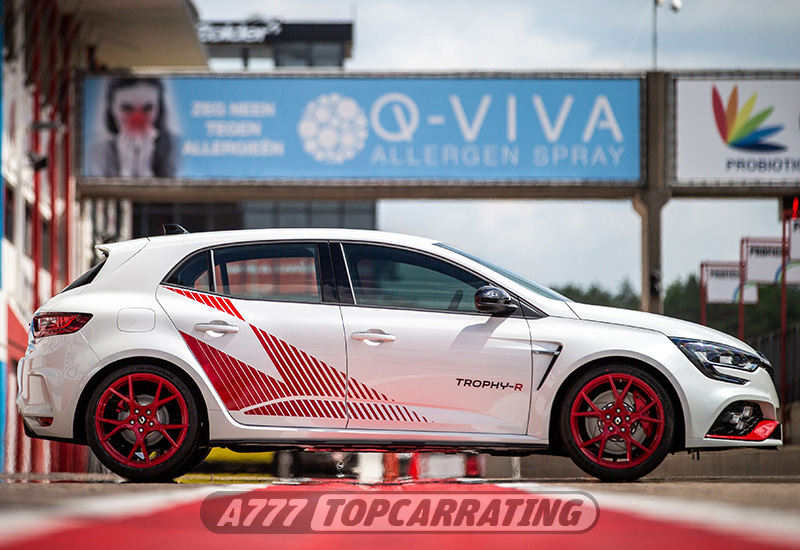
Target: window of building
47	252
148	218
8	212
28	236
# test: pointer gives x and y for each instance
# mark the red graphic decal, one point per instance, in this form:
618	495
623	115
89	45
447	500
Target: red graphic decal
306	389
238	384
318	409
241	386
303	374
220	303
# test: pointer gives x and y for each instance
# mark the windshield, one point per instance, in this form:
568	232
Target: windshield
519	279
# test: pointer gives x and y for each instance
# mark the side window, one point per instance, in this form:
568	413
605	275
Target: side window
392	277
284	272
192	273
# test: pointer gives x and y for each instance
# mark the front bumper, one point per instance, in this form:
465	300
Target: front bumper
731	415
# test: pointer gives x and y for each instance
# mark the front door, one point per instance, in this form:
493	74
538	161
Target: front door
421	357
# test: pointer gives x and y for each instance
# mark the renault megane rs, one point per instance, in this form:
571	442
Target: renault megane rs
350	340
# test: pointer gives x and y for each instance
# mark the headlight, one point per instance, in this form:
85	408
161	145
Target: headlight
707	356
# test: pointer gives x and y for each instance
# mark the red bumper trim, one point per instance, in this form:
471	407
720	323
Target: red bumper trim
762	431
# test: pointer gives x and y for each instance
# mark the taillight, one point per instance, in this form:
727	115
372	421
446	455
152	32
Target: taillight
51	324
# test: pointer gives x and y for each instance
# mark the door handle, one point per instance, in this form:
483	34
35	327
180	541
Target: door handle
216	328
373	338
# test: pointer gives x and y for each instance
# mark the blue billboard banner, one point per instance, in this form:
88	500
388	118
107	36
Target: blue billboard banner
362	128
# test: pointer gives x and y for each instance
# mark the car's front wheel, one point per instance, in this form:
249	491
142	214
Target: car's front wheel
617	422
143	424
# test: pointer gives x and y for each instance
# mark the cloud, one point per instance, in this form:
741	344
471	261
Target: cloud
552	242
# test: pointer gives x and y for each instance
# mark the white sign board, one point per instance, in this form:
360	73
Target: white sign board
722	284
740	131
794	239
764	264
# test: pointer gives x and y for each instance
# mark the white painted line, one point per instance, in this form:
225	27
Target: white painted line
81	512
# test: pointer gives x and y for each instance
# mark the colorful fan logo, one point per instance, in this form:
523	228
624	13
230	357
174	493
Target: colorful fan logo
738	129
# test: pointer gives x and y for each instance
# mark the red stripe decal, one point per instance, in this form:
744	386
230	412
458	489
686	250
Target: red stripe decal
242	386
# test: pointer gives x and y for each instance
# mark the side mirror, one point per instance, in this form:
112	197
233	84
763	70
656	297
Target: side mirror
490	299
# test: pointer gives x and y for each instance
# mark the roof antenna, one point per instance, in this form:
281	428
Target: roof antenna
173	229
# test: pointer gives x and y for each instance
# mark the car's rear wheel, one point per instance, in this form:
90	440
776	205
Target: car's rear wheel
143	424
617	422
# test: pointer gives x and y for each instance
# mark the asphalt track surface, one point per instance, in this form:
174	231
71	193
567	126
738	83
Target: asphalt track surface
100	512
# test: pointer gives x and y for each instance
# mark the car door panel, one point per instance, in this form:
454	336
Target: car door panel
452	372
273	362
414	335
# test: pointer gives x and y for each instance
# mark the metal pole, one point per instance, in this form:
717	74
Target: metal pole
742	270
650	200
784	257
655	35
703	293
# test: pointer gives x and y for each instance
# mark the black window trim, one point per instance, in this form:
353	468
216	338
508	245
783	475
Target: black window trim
336	277
324	268
212	273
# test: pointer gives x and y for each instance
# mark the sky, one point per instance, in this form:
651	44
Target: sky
559	242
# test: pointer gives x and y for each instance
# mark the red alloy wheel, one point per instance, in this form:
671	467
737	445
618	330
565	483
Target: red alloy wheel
617	421
141	420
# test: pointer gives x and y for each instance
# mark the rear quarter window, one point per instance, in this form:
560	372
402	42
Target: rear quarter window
192	273
87	277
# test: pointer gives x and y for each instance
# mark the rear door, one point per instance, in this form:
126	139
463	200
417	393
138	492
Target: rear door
263	322
420	356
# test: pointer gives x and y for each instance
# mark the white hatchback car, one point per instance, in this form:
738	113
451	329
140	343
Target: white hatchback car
339	339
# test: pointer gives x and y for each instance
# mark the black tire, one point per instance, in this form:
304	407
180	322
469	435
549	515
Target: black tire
617	423
137	441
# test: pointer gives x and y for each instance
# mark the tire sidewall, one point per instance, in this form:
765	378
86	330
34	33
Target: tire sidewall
174	466
597	470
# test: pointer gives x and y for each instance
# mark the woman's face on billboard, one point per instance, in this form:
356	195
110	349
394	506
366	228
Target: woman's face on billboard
135	108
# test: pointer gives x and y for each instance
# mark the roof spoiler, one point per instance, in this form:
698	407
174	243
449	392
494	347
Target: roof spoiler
173	229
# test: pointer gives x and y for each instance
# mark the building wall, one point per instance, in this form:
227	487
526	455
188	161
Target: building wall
40	59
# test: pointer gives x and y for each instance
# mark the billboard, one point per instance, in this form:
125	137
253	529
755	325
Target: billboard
763	260
722	283
737	131
361	127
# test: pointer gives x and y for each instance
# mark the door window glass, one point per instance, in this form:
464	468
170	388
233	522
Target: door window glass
284	272
392	277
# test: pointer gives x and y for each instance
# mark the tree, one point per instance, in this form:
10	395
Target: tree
682	301
626	296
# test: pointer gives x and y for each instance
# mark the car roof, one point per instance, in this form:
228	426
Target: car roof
213	238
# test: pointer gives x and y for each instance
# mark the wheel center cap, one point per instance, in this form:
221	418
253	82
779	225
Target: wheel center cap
142	420
617	421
